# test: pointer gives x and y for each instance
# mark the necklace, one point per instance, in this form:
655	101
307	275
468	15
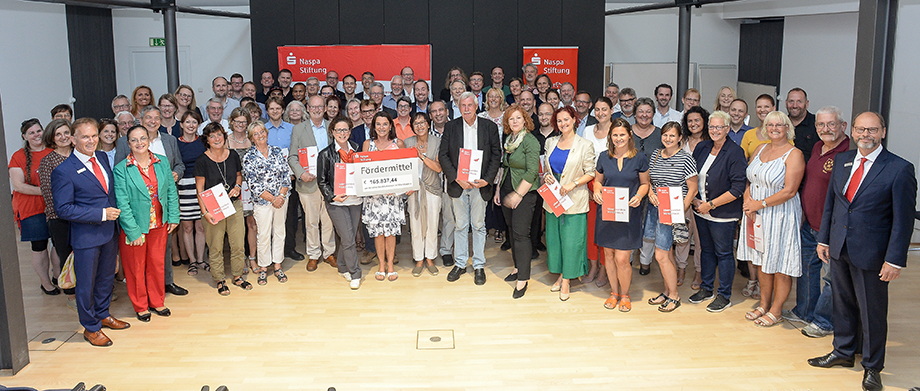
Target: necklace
222	167
236	140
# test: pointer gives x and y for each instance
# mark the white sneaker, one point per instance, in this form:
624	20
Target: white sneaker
792	317
346	276
355	284
813	331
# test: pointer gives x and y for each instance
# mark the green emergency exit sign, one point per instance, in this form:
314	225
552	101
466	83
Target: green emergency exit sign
157	42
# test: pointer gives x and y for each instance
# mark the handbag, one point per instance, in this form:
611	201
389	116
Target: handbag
67	280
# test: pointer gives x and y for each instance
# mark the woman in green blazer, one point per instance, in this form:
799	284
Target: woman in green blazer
146	194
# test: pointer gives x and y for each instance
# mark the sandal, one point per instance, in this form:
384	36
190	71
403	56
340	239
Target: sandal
768	320
755	294
204	265
222	288
380	276
749	288
669	305
625	304
611	302
681	273
282	278
263	277
240	282
697	281
253	264
756	313
392	276
193	269
658	300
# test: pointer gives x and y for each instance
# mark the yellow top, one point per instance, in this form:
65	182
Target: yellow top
750	142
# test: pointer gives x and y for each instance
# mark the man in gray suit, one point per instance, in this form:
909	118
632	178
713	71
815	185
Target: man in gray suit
163	144
319	231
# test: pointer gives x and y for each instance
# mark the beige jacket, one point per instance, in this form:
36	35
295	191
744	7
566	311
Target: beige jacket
579	163
302	137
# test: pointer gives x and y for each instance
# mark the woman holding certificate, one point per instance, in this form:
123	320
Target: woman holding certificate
517	193
220	166
383	213
671	170
721	165
268	174
570	162
425	204
344	211
620	167
149	203
772	198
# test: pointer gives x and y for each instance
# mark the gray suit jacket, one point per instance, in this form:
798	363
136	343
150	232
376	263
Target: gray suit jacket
169	144
302	137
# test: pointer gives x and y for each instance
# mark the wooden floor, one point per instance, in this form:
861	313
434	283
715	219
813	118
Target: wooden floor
314	332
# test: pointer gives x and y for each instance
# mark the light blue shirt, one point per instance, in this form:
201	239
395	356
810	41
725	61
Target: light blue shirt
320	134
279	136
390	101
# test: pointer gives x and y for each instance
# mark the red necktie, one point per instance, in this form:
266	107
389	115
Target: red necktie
99	175
855	180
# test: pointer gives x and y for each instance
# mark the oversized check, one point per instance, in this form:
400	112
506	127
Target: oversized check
385	172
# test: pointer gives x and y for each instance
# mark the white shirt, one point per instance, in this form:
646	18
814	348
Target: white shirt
89	166
673	115
156	145
470	134
868	165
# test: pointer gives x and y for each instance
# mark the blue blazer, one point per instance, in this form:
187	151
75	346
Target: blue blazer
727	173
358	137
876	227
80	199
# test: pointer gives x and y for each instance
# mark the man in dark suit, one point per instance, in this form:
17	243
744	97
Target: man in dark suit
865	232
83	191
469	198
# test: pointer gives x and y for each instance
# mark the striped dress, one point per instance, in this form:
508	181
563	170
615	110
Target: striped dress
781	223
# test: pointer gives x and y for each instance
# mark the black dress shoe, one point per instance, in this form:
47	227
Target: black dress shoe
455	273
506	245
53	292
177	263
540	246
644	270
143	318
448	260
185	261
479	276
742	267
164	312
511	277
176	290
535	254
872	380
517	294
829	360
293	254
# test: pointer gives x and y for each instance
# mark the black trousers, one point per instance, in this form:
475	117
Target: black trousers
518	221
290	222
860	303
60	237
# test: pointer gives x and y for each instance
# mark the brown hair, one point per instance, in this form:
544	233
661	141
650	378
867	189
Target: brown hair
621	122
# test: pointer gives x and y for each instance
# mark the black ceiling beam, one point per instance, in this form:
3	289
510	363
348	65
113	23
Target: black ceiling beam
658	6
146	5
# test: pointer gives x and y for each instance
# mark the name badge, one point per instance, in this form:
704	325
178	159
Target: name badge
850	164
80	171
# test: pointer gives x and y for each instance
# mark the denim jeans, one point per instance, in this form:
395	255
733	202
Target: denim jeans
808	286
716	251
469	209
824	308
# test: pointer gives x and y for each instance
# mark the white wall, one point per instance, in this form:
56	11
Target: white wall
904	117
651	37
819	56
216	46
34	65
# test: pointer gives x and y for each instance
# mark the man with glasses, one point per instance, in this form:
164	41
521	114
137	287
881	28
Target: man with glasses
332	80
690	99
476	83
215	111
865	233
627	97
804	121
125	121
813	306
396	92
612	92
221	89
236	86
319	232
312	86
582	109
120	103
408	81
376	94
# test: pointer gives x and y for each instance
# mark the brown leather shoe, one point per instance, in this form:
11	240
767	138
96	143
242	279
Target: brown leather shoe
331	261
311	265
97	338
114	324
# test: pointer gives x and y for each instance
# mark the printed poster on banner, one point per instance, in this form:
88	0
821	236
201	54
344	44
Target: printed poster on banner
307	157
557	202
670	205
218	202
616	204
345	179
755	232
391	171
382	60
559	63
469	166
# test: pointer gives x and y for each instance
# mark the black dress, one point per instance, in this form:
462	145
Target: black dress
613	234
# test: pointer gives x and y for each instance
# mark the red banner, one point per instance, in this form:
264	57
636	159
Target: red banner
559	63
384	61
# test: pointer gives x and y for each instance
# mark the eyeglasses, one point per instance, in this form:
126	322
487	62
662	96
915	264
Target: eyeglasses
240	122
375	94
860	130
718	127
124	106
773	126
420	123
341	130
371	111
627	100
318	107
584	102
821	125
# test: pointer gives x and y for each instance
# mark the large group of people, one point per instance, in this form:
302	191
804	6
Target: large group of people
773	199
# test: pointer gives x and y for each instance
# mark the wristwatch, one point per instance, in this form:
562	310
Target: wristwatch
764	203
711	206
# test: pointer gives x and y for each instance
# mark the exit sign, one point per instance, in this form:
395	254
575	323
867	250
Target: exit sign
156	42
